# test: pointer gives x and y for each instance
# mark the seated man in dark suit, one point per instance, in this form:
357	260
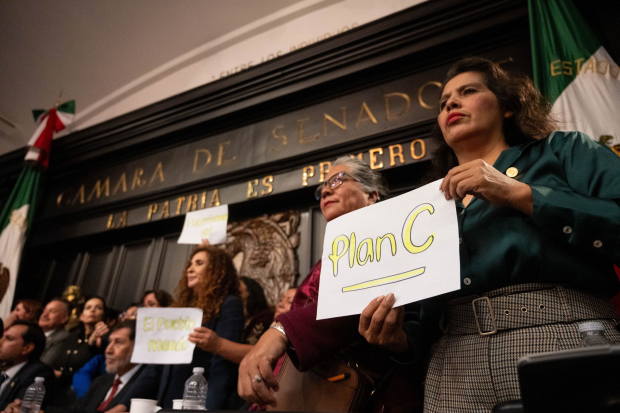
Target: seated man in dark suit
20	349
107	390
53	321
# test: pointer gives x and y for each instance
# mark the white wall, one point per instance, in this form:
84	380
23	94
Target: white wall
116	56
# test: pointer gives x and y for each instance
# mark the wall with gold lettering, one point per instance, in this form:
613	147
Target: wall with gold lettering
346	119
382	157
382	113
336	122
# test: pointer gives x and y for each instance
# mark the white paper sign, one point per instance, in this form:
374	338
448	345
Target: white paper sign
207	223
161	335
407	245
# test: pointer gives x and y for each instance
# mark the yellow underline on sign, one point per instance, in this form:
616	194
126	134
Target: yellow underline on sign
385	280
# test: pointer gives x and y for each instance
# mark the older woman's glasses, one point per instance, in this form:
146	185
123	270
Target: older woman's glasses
333	183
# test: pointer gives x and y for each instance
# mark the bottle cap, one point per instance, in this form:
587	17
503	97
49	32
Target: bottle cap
198	370
592	325
39	379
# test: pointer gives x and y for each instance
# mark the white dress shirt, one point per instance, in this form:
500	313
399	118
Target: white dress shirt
50	332
124	380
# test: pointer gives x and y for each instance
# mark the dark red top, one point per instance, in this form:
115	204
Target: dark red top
314	340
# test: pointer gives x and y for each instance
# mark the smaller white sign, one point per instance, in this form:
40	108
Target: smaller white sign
161	335
407	245
207	223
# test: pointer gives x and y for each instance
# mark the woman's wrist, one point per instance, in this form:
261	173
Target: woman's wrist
280	334
399	346
522	199
218	345
277	326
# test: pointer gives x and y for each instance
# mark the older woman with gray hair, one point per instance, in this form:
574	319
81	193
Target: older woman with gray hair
349	185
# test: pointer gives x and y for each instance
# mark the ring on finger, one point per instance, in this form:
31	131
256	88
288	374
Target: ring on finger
257	378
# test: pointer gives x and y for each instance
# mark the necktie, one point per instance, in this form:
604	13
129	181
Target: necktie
3	377
103	406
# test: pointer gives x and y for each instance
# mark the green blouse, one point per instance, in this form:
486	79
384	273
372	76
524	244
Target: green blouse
572	237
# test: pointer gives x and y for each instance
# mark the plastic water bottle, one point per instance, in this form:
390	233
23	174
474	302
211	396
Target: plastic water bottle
195	395
592	334
34	396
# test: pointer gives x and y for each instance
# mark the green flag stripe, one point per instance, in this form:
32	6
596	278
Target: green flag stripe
24	192
37	113
561	43
68	107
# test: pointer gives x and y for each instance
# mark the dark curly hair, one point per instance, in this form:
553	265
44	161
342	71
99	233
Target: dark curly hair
531	120
256	297
220	281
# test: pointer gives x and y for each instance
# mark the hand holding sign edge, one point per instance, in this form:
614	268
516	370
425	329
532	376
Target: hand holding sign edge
205	339
483	181
382	325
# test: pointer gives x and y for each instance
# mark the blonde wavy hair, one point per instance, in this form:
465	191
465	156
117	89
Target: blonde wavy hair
219	281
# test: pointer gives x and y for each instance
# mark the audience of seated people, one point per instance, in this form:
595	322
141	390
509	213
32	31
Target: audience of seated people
209	282
96	366
107	390
84	342
64	352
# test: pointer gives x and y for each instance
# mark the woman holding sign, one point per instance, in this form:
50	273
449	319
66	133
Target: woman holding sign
539	227
209	282
349	186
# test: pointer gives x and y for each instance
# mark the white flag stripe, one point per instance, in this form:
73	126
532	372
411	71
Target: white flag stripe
590	102
12	242
33	154
38	132
65	118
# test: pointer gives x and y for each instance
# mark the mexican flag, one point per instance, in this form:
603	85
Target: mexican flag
575	72
16	217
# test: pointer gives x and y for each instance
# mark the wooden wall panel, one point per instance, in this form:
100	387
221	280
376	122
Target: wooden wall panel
96	268
130	274
172	262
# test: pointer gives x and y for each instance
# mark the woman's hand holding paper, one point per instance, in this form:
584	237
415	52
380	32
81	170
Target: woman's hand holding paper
483	181
205	339
382	325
